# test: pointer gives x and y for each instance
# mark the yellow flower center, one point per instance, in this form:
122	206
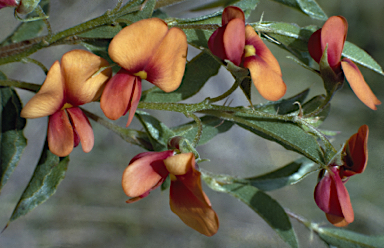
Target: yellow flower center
67	105
141	74
173	177
249	51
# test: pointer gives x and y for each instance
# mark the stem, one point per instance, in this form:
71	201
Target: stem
38	63
196	140
22	85
227	93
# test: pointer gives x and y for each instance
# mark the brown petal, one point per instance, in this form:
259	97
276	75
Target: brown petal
60	134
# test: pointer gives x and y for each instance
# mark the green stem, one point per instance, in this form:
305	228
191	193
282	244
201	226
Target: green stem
196	140
227	93
22	85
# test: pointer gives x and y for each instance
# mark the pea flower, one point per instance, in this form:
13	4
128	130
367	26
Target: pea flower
148	170
331	195
145	50
242	46
331	37
69	84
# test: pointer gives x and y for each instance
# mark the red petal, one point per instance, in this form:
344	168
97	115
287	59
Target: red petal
234	40
314	46
144	173
83	128
334	33
117	95
136	95
60	134
358	84
230	13
216	44
356	153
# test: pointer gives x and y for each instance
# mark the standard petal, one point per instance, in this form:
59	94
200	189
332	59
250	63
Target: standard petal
355	153
334	33
117	95
314	46
252	38
166	67
50	97
193	206
234	40
60	134
180	164
230	13
136	95
144	173
269	83
83	128
134	45
358	84
81	83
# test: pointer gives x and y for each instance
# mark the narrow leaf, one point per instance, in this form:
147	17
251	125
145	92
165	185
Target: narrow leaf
344	238
308	7
48	174
197	72
12	140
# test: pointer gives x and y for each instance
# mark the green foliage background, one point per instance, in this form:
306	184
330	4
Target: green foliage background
89	207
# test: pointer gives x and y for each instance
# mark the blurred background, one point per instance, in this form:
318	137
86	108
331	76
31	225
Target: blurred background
89	209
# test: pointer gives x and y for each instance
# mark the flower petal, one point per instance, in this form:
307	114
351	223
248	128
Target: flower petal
144	173
252	38
134	45
50	98
136	95
234	40
167	65
269	83
180	164
356	153
314	46
334	33
81	83
216	44
230	13
358	84
189	202
60	134
117	95
83	128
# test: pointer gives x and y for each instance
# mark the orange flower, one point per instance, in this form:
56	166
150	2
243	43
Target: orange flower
242	46
332	37
148	170
331	196
145	50
69	84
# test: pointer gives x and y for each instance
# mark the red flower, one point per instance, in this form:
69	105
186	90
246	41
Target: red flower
148	170
333	35
145	50
242	46
331	196
68	85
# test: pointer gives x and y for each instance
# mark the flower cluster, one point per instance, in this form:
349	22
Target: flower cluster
330	193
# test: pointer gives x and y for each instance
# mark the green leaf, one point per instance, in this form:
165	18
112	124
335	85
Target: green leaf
197	72
12	140
158	133
98	47
28	30
145	13
107	31
287	175
212	126
361	57
265	206
48	174
308	7
344	238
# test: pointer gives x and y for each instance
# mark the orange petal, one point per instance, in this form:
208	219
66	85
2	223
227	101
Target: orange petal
60	134
234	40
117	94
356	153
50	97
166	66
358	84
334	33
83	128
337	221
230	13
269	83
180	164
134	45
188	201
251	38
81	83
144	172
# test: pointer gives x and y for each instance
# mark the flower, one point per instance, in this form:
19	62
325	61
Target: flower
242	46
23	6
331	38
145	50
69	84
148	170
331	196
